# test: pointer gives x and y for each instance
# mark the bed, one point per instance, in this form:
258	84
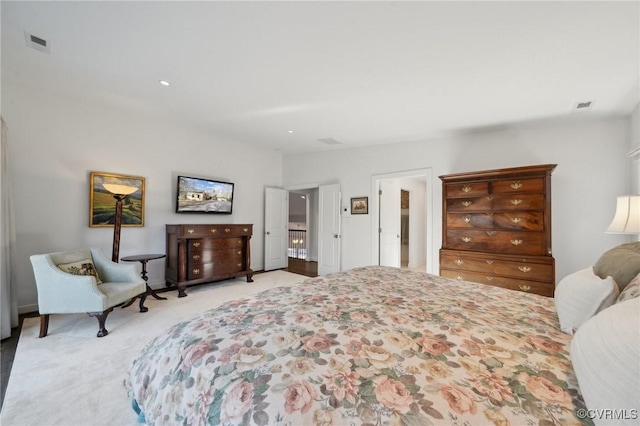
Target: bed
371	346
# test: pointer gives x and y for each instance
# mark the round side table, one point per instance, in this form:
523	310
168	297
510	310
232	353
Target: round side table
143	259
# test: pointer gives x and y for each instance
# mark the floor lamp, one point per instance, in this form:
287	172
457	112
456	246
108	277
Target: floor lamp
119	192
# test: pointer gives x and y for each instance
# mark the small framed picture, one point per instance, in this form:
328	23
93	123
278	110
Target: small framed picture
360	205
102	205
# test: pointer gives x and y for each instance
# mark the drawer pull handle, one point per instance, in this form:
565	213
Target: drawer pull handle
196	244
458	262
227	230
214	230
196	256
516	219
239	251
466	203
516	201
466	188
516	242
196	272
245	229
490	233
191	231
489	278
239	265
467	219
525	269
525	287
490	197
459	277
466	239
489	261
516	184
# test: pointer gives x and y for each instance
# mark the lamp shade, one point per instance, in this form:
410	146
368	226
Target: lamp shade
119	189
627	218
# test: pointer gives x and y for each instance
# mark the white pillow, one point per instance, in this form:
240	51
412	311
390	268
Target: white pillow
581	295
605	353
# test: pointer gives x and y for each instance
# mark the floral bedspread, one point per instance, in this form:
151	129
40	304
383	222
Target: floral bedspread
370	346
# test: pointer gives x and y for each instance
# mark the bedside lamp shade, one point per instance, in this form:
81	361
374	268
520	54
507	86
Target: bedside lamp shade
627	217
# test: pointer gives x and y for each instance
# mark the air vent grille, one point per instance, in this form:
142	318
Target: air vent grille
37	43
329	141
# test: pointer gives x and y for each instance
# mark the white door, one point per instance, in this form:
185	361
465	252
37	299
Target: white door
329	229
389	226
276	219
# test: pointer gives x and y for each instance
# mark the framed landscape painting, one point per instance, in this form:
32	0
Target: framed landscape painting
102	205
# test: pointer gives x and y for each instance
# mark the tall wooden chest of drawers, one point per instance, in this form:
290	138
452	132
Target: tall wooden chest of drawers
496	228
204	253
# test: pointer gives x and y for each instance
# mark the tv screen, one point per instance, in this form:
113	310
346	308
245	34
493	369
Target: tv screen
197	195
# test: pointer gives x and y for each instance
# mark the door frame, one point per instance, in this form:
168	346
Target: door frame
427	173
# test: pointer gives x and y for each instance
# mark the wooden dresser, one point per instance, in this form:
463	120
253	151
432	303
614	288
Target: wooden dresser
204	253
496	228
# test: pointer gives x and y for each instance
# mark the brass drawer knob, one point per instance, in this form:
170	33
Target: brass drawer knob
458	262
214	230
239	265
196	256
191	231
467	219
524	287
516	219
516	242
516	201
459	277
227	230
196	271
490	233
516	184
239	251
489	278
466	203
525	269
466	239
245	229
489	261
196	244
466	188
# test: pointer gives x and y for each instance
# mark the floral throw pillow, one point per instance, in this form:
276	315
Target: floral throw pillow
81	267
631	291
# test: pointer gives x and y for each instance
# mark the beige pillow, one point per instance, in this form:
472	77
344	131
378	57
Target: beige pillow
81	267
581	295
621	262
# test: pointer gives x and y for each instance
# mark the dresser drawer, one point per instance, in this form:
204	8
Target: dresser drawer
543	289
518	185
222	231
207	256
519	220
200	244
527	243
469	204
470	220
208	270
466	189
518	201
497	265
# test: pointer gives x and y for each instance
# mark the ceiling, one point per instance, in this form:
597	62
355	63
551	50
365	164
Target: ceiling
286	75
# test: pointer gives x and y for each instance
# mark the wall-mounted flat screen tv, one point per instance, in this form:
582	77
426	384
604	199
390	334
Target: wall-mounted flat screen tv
198	195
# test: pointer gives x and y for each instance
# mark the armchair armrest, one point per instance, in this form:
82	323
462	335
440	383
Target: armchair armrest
112	271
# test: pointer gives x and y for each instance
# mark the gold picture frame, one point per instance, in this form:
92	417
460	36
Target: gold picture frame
102	205
360	205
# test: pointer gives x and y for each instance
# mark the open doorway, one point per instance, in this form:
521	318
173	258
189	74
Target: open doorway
388	232
302	247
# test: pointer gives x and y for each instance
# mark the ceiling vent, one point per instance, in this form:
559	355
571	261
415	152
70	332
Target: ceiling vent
37	43
582	106
329	141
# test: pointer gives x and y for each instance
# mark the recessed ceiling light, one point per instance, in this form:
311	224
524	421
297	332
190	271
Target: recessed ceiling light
164	83
290	131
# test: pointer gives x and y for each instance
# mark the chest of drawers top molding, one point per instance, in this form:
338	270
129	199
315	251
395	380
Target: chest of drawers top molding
490	216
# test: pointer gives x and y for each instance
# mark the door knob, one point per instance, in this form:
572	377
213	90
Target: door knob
335	235
268	233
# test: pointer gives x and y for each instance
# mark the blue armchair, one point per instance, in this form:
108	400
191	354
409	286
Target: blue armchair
92	284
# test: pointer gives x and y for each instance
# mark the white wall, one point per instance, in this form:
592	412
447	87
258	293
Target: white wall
592	170
55	142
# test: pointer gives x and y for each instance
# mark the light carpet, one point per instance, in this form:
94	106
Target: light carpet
71	377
